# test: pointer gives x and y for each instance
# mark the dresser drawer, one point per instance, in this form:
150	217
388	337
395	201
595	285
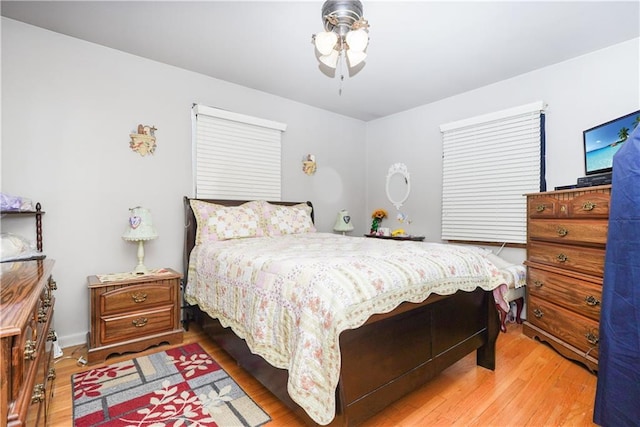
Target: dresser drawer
578	331
545	207
23	355
137	297
572	231
590	205
581	259
136	325
593	205
582	297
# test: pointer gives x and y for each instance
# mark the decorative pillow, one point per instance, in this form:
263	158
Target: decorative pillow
217	222
280	220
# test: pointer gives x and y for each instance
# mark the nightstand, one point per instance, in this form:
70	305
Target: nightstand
131	313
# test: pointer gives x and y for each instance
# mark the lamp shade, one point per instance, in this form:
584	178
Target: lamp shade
357	40
325	41
330	60
343	222
140	226
355	57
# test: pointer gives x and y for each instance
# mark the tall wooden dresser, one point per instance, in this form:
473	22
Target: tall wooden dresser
26	313
566	240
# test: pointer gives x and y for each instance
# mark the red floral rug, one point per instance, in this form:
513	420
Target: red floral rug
183	386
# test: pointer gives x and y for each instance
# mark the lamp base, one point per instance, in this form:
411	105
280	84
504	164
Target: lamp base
140	268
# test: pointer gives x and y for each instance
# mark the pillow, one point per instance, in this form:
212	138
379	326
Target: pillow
217	222
280	220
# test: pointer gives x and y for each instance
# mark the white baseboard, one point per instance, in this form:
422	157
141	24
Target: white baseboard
72	340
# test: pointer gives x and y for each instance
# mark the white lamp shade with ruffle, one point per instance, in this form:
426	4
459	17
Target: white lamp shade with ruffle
343	222
139	229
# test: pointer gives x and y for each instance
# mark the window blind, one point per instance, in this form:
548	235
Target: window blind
489	163
236	156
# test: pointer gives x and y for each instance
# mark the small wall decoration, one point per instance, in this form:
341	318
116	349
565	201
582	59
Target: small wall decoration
144	140
309	164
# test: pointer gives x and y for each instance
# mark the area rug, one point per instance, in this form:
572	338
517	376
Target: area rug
182	386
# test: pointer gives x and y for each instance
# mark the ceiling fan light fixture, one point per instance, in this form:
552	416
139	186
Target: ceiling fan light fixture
345	33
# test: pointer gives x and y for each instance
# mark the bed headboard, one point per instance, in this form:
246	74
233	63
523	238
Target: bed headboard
190	224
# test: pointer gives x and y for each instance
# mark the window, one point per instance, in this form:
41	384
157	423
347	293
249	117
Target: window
236	156
489	163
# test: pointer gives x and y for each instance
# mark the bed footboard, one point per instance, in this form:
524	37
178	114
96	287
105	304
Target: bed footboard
390	355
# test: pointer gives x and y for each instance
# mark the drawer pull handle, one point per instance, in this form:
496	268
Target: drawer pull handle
38	393
588	206
30	350
42	315
52	335
538	283
538	313
138	297
540	208
592	301
139	323
562	231
562	258
51	375
593	339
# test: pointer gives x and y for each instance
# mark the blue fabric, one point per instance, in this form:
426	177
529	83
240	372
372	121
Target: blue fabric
618	391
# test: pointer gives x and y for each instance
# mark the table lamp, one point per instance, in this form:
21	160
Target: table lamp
139	229
343	222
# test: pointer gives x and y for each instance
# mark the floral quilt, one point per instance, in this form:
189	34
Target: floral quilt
291	296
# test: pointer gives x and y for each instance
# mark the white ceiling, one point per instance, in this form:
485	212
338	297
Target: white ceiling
419	52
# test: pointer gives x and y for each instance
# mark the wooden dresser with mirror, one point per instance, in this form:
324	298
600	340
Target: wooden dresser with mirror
566	241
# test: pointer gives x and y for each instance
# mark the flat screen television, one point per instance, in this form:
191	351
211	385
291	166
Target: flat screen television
603	141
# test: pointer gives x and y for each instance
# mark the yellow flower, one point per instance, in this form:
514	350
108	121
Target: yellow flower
379	213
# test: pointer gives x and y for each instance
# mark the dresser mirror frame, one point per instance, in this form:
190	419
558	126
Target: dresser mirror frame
397	191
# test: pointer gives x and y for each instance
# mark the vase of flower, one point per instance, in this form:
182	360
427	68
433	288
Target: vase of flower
377	216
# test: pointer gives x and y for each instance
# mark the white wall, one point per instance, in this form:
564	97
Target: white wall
580	93
68	107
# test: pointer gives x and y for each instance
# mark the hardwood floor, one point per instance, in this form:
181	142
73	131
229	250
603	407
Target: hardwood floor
531	386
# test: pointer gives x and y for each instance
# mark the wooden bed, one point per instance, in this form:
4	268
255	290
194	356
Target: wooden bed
389	356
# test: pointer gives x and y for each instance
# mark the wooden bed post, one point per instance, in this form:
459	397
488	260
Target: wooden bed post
486	355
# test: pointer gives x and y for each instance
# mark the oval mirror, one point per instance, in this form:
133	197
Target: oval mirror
398	184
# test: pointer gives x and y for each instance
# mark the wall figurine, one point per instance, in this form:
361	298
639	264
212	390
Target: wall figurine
143	141
309	164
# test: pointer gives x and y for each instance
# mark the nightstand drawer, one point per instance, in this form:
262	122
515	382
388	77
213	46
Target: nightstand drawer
137	297
576	330
576	295
135	325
